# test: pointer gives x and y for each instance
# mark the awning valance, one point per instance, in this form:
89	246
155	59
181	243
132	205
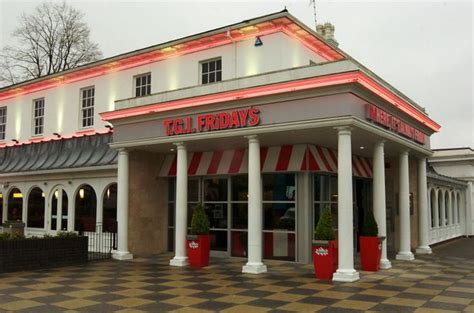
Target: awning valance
286	158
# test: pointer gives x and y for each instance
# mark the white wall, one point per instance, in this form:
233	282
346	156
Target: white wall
62	107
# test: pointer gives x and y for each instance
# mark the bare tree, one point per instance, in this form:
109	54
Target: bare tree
52	39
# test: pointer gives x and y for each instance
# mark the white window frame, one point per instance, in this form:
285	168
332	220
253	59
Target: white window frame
82	108
3	122
139	87
201	72
38	118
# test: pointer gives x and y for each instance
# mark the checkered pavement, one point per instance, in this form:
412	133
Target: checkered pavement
442	282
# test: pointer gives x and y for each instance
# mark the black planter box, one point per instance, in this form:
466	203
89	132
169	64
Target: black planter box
31	254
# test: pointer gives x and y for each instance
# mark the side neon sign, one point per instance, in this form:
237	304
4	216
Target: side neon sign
394	124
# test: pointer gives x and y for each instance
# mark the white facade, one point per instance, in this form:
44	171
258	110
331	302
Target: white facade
62	103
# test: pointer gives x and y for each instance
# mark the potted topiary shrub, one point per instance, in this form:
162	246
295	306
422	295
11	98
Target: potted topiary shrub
198	243
325	247
370	244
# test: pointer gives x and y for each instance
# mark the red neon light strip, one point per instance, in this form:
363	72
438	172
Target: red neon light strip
310	83
279	25
82	133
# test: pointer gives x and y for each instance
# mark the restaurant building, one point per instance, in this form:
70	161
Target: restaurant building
265	122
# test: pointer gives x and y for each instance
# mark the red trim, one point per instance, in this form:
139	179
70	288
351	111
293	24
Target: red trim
193	166
323	157
172	171
284	158
88	132
313	165
215	161
333	157
237	159
285	25
263	156
355	168
290	86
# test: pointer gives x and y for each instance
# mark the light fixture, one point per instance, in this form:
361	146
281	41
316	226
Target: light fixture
362	147
57	135
172	149
17	195
108	193
109	127
42	194
56	194
15	140
81	193
258	42
1	195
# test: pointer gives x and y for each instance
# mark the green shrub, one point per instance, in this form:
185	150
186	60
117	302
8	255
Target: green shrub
48	236
370	225
5	236
199	222
324	230
66	234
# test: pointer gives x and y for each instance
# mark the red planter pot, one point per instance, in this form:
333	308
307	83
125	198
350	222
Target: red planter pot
198	248
325	258
370	253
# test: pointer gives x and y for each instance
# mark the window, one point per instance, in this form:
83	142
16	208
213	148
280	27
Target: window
87	106
142	85
325	195
3	122
211	71
38	116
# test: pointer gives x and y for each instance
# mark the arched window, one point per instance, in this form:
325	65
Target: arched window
110	209
15	205
35	208
432	200
453	207
59	208
86	209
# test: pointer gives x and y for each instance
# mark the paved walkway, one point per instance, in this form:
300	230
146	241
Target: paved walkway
442	282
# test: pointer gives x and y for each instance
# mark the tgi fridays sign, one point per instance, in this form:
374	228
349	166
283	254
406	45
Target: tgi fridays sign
394	124
211	122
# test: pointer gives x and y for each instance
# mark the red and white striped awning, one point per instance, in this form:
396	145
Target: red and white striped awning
287	158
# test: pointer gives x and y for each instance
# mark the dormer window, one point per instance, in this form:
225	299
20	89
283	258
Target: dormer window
211	71
143	85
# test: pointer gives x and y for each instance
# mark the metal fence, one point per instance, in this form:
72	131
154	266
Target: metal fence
101	244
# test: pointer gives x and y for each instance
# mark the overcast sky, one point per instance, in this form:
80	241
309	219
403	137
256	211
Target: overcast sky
423	48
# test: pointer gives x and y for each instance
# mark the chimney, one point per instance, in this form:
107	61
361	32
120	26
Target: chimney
327	32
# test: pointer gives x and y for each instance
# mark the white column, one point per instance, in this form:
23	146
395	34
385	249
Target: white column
468	210
436	208
379	202
180	257
4	206
59	209
122	207
404	252
71	214
100	212
345	271
255	211
423	220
